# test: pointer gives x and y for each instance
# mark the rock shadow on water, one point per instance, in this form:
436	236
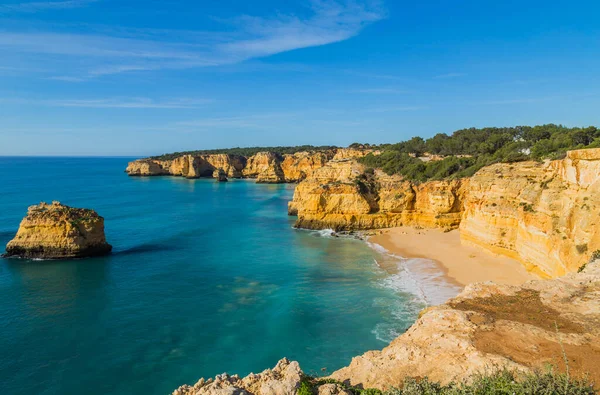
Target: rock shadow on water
146	248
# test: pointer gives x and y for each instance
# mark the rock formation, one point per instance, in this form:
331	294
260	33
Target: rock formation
486	327
491	325
296	167
543	214
189	166
55	231
265	167
343	196
283	379
220	175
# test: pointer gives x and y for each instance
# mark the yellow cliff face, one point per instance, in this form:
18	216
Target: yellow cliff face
353	153
53	231
189	166
265	167
543	214
342	196
296	167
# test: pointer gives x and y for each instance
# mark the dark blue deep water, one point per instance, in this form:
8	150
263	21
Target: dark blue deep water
205	277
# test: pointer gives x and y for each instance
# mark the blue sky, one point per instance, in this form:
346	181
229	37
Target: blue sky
133	77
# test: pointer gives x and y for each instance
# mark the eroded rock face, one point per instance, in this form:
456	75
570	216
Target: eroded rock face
353	153
296	167
56	231
546	215
189	166
489	325
341	195
265	167
283	379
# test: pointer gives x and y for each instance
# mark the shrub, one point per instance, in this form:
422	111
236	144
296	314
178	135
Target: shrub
502	382
581	248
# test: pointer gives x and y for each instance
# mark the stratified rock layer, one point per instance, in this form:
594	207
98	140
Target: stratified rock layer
265	167
488	326
189	166
55	231
343	196
546	215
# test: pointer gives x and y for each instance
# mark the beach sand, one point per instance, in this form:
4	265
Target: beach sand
463	264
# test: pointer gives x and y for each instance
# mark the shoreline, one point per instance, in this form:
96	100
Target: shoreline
460	264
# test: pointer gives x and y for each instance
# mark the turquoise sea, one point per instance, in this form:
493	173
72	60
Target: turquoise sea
205	277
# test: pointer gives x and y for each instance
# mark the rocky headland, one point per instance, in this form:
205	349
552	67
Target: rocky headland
56	231
265	167
543	214
488	326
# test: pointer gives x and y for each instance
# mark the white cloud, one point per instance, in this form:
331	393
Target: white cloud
128	50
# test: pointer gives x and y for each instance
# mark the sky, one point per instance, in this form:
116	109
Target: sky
144	77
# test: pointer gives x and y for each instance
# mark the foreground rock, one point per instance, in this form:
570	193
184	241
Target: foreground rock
283	379
487	327
56	231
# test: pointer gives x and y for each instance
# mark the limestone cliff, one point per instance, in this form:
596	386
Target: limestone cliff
543	214
296	167
353	153
189	166
546	215
486	327
265	167
55	231
343	196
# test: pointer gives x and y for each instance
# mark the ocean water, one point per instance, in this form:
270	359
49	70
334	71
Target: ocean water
205	277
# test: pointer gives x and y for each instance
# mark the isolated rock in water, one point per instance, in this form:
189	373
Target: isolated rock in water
220	175
283	379
56	231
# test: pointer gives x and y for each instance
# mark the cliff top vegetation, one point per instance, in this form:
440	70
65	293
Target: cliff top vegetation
465	151
247	151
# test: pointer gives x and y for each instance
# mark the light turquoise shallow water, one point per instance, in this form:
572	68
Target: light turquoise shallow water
204	278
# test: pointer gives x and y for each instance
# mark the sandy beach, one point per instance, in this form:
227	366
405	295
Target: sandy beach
463	264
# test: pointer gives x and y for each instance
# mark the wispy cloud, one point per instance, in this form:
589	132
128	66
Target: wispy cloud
120	51
38	6
449	75
138	102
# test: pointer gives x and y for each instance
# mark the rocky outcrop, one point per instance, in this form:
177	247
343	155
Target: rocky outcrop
283	379
55	231
543	214
546	215
353	153
486	327
220	175
265	167
343	195
296	167
189	166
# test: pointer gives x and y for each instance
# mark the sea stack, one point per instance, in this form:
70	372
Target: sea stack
56	231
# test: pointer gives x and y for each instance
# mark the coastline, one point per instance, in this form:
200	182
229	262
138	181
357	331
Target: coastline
461	264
